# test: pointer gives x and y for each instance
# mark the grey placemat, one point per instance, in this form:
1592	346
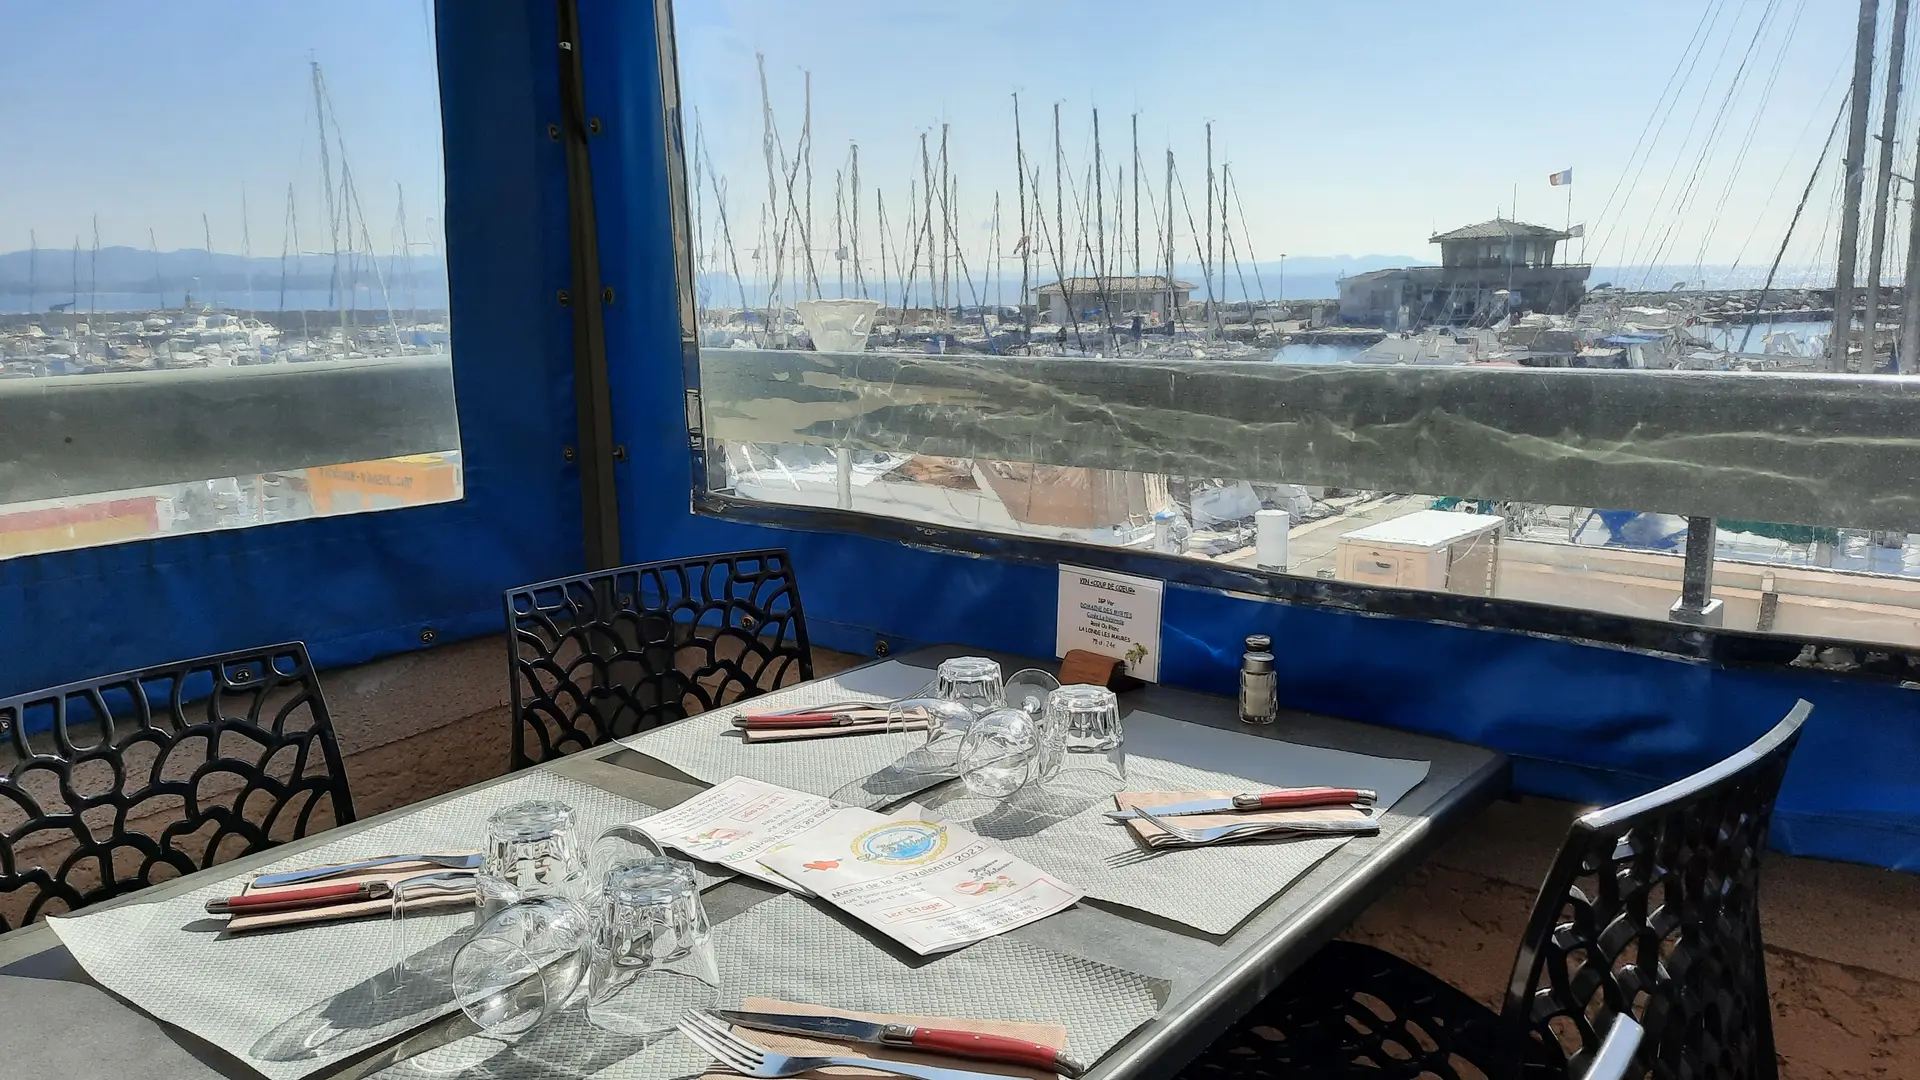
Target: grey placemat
1063	828
78	1032
791	949
290	1002
708	748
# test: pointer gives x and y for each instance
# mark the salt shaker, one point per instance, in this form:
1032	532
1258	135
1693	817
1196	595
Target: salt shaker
1259	686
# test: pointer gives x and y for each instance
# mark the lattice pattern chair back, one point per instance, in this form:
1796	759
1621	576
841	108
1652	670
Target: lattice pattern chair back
121	782
606	655
1652	910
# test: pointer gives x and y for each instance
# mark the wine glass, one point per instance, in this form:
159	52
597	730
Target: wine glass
1028	688
1002	753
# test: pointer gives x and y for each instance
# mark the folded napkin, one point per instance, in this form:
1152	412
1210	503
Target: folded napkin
382	907
1053	1035
1317	821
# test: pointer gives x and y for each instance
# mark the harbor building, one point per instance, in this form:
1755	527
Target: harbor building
1486	272
1144	295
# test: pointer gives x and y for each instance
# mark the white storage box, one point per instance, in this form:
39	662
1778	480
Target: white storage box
1431	549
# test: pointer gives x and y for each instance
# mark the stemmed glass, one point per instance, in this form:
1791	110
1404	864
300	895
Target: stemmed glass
1002	752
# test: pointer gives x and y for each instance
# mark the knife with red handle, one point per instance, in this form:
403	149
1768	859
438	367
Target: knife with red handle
931	1040
262	903
972	1044
1292	798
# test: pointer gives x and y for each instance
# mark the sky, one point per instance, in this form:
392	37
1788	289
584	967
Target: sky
1355	127
1350	128
151	114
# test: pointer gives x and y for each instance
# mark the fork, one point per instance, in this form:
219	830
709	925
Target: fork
713	1035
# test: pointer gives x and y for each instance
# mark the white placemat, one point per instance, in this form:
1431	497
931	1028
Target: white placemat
709	748
290	1002
1063	828
791	949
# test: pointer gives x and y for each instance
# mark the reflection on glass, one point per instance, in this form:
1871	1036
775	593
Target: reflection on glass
285	276
1019	219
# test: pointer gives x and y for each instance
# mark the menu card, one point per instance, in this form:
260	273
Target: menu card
931	886
735	821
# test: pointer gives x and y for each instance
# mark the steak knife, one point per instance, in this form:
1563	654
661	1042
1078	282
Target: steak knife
953	1043
1247	802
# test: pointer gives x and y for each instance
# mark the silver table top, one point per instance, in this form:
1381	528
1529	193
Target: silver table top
74	1030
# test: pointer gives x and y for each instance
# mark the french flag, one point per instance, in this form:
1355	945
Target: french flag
1564	176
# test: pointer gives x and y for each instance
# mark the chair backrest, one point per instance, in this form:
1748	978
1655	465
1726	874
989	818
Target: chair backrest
1652	910
1614	1059
120	782
605	655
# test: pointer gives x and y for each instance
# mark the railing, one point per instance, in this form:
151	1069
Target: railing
83	434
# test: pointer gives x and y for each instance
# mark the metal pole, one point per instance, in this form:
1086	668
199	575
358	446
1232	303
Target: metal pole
1855	163
600	506
1883	183
1697	605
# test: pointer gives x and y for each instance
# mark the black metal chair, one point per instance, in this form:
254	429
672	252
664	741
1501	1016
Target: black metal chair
131	779
602	656
1651	911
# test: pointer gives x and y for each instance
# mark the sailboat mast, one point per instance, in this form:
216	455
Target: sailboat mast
334	282
1060	216
880	222
1855	166
246	248
73	304
806	149
406	256
1136	203
926	218
93	273
1020	171
1206	243
1100	230
699	205
839	228
159	287
999	291
1172	296
859	279
33	270
946	232
206	232
1889	117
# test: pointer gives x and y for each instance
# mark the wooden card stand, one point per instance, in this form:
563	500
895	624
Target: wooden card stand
1095	669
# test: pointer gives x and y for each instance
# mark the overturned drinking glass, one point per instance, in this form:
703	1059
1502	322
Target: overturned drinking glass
522	964
1084	744
1001	753
653	953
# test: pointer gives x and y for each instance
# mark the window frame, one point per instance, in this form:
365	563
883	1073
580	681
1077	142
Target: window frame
360	586
1670	638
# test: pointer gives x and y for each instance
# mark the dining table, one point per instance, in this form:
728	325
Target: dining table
57	1021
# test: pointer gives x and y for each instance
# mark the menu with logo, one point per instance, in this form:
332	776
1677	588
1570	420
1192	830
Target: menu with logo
932	886
733	822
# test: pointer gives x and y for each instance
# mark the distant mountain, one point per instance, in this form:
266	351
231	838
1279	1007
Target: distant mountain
55	271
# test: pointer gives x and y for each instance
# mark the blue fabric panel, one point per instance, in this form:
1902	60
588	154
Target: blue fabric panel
1587	723
363	585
